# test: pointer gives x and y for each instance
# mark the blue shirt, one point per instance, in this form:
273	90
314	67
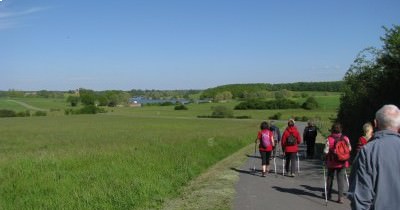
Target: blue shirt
375	175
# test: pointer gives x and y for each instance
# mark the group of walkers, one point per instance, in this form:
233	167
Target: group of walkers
268	139
374	180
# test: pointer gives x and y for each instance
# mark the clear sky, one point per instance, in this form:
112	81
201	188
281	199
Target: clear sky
183	44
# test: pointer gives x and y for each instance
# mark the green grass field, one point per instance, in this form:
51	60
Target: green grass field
105	161
127	158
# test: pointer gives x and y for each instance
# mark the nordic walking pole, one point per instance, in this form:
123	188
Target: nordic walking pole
254	157
326	195
283	165
347	178
298	164
274	165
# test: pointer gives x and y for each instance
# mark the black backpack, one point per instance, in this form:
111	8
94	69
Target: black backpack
291	140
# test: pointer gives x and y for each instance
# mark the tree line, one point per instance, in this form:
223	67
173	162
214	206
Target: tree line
266	90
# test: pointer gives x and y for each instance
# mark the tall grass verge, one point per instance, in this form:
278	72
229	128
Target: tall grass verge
109	162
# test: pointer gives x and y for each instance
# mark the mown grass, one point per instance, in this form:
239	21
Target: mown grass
112	162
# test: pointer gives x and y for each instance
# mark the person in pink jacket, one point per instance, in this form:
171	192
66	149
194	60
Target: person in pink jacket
334	165
290	139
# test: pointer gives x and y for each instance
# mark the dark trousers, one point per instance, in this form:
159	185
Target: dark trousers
265	157
310	148
341	179
290	157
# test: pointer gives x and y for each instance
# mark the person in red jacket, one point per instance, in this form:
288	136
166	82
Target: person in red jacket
290	139
265	138
334	165
368	133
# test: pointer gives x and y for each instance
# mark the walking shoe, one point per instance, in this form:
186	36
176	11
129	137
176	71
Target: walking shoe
293	175
263	174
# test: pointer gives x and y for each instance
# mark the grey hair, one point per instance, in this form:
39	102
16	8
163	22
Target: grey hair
388	118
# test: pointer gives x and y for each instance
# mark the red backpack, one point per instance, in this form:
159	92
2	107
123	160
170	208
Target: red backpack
341	150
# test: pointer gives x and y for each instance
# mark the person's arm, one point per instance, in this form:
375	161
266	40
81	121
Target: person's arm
272	140
315	132
326	148
361	192
348	142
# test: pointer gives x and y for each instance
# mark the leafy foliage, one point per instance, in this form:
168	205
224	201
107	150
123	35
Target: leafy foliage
310	104
181	107
221	112
7	113
265	90
372	81
276	116
73	100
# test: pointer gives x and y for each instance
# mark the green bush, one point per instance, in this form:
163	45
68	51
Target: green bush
68	111
302	119
276	116
221	112
167	103
90	109
310	104
243	117
40	113
274	104
24	114
181	107
7	113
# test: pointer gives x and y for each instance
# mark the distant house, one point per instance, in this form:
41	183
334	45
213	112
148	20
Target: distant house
134	103
143	100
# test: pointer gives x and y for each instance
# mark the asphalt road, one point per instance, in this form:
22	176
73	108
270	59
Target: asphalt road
275	191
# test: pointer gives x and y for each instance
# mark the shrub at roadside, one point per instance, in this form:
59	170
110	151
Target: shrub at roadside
276	116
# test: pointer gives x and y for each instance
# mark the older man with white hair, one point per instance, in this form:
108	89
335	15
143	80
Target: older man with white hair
375	175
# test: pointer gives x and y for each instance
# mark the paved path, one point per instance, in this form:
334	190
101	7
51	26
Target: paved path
303	192
27	105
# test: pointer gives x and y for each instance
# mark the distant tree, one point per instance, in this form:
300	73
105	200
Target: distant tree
310	104
281	94
73	100
15	93
223	96
87	97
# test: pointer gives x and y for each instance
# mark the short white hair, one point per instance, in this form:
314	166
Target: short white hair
388	118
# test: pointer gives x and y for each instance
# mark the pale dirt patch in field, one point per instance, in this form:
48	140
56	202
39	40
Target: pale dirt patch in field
214	189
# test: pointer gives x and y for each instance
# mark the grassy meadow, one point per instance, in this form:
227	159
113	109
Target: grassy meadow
127	158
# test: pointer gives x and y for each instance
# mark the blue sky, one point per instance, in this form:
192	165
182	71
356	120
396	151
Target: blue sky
186	44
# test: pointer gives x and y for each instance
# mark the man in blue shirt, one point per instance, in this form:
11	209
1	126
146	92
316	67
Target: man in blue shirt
374	179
